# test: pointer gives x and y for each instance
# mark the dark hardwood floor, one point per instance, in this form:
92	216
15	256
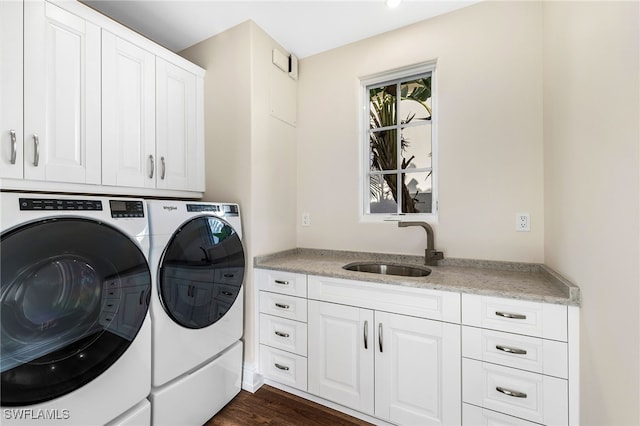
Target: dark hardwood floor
271	406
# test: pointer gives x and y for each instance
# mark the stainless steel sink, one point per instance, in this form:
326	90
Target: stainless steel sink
388	269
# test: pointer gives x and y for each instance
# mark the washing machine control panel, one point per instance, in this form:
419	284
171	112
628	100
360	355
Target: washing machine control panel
126	209
57	204
202	208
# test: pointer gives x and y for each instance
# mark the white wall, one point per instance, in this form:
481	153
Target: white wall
507	70
490	134
591	149
250	154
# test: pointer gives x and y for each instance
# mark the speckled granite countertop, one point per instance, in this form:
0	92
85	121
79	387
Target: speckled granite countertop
527	281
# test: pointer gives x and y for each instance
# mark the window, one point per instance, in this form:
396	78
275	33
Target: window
399	143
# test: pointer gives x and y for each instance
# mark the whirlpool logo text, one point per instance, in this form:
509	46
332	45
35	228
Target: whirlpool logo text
39	414
170	208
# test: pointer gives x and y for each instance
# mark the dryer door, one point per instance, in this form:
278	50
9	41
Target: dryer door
201	272
73	295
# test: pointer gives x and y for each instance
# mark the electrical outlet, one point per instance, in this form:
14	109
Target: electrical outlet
306	219
523	222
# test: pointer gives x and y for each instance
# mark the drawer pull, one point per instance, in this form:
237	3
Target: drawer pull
509	350
281	282
281	334
511	316
511	393
281	367
282	306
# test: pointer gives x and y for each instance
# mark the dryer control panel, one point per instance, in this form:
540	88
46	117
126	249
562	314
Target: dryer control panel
125	208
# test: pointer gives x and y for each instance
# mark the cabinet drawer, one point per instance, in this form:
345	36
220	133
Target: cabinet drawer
534	397
281	282
477	416
284	306
404	300
513	350
283	334
283	367
536	319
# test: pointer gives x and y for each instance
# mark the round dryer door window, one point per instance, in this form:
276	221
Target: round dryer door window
201	272
74	294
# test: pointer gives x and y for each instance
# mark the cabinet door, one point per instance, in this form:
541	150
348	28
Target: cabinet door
11	153
340	355
128	114
417	379
61	95
177	144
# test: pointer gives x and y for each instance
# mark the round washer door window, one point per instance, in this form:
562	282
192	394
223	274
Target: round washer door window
201	272
73	296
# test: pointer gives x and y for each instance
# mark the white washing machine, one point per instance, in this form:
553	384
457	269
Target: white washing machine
198	266
75	334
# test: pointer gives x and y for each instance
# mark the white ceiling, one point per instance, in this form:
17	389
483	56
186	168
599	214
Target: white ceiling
303	27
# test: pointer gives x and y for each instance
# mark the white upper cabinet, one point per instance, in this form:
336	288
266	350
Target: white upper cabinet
128	114
179	140
87	105
61	95
152	130
11	134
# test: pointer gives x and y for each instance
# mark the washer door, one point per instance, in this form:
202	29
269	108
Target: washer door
74	294
201	272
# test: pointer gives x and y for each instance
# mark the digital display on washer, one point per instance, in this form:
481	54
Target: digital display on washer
202	208
124	208
230	209
57	204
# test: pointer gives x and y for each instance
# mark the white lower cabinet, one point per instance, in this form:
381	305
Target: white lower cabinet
413	356
401	369
341	354
283	327
515	361
417	370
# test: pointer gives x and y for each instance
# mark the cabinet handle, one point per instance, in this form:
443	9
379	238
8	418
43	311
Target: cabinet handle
281	367
282	282
164	168
151	166
510	392
12	134
510	350
366	334
281	334
380	336
511	316
36	150
282	306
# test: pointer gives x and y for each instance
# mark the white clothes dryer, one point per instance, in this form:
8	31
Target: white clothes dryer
198	265
75	343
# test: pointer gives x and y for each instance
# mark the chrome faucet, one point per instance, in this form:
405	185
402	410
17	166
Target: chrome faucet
431	256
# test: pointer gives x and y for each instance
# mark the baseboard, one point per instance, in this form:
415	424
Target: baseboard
251	379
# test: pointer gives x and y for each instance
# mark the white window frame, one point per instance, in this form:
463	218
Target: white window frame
389	77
